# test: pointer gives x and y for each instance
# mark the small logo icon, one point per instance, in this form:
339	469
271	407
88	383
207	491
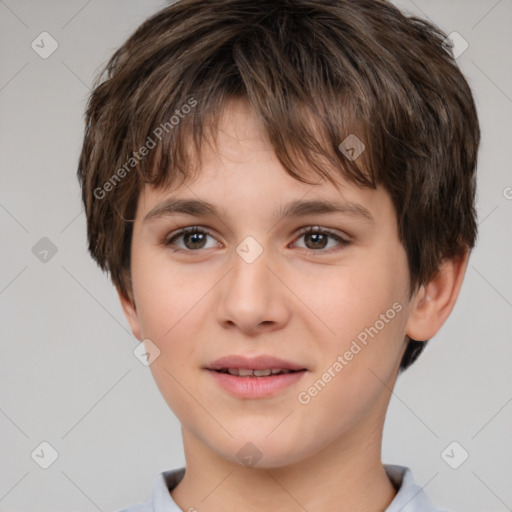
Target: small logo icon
454	455
44	250
249	454
44	45
352	147
146	352
44	455
455	42
249	250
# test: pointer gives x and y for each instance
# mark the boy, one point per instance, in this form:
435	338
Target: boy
283	194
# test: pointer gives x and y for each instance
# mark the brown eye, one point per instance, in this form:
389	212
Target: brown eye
194	238
318	239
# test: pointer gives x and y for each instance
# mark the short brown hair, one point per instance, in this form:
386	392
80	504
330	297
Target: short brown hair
315	72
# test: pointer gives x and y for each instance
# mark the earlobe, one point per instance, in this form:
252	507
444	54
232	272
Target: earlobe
435	300
130	312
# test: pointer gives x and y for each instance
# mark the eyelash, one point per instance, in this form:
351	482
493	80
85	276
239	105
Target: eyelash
304	231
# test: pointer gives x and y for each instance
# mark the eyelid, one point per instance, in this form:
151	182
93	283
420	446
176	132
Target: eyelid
320	229
343	240
183	231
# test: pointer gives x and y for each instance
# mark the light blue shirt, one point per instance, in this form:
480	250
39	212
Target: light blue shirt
409	498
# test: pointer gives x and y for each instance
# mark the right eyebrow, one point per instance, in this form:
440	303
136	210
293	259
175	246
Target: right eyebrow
172	206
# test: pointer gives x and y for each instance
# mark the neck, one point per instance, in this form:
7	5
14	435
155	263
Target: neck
346	476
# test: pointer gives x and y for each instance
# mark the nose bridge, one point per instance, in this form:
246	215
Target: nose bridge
251	295
250	276
250	269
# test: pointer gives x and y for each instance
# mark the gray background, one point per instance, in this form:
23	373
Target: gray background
68	373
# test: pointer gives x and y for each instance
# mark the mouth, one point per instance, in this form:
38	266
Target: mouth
247	372
260	366
258	377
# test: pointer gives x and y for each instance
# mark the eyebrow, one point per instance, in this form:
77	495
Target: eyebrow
299	208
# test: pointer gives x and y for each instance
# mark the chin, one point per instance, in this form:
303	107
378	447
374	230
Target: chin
259	452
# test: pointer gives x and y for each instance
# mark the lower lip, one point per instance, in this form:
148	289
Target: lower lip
255	387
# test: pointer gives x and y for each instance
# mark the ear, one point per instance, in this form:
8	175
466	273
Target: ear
130	312
435	300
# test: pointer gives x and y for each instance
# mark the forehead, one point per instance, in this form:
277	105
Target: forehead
239	170
238	143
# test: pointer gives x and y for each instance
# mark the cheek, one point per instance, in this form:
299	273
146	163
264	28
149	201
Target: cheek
168	295
365	311
169	309
341	301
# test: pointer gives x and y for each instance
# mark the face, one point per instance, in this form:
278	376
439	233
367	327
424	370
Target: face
246	281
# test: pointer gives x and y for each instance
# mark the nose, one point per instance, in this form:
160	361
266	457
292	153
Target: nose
253	297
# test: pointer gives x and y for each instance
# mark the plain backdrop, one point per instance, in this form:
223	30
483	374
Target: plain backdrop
68	373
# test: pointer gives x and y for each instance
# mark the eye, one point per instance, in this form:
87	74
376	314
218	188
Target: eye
194	238
317	239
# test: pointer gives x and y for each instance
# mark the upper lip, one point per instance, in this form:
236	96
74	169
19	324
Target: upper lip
262	362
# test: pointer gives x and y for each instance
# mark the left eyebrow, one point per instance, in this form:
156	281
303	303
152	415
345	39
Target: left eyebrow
300	208
319	207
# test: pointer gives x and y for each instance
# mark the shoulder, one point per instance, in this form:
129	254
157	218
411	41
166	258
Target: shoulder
161	499
410	497
140	507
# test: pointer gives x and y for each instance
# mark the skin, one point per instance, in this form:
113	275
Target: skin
299	300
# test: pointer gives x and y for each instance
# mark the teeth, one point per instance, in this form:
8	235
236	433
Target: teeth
245	372
262	373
